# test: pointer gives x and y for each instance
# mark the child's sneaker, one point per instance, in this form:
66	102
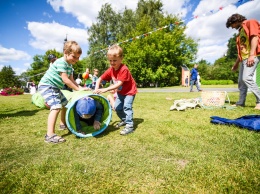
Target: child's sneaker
126	130
120	124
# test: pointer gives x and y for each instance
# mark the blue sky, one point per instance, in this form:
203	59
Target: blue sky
30	27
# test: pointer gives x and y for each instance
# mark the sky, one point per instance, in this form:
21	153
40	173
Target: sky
31	27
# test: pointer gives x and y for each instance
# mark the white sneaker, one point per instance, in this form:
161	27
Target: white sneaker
126	130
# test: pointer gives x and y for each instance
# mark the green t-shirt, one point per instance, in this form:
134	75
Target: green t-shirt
52	75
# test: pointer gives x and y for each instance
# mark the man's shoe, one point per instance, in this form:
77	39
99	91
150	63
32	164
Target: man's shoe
128	129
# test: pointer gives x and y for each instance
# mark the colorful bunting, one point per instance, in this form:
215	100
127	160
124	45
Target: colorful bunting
239	2
171	26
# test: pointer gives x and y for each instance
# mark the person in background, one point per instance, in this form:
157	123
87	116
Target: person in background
248	48
193	78
88	80
78	81
32	88
58	74
125	85
187	81
52	58
198	79
94	78
112	98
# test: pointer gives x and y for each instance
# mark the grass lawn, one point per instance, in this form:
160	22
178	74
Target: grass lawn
170	151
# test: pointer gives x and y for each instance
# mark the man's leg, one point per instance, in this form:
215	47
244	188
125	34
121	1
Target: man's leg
241	86
191	85
248	79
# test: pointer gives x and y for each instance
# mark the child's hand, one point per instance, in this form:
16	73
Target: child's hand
84	88
100	91
96	125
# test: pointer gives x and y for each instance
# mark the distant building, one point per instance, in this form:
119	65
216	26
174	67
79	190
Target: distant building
184	73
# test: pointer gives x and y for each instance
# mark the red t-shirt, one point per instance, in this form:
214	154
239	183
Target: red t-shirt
251	28
122	74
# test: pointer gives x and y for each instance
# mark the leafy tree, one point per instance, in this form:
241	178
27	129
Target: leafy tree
153	57
152	9
223	70
232	48
8	78
204	68
41	64
101	35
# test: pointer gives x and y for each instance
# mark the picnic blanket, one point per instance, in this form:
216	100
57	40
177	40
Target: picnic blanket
251	122
184	104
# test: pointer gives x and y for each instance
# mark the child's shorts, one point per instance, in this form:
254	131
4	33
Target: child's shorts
53	96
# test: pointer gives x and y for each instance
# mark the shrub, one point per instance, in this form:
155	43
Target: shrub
216	82
11	91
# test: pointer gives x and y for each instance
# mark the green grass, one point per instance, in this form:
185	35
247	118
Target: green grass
170	151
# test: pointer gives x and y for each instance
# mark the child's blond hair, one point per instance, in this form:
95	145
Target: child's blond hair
115	51
72	47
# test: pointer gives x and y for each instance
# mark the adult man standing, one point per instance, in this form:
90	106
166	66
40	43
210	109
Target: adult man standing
248	47
193	78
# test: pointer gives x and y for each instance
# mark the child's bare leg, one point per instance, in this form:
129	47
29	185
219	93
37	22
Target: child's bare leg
52	118
111	100
62	116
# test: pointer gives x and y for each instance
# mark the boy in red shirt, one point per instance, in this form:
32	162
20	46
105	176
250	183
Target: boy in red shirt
125	85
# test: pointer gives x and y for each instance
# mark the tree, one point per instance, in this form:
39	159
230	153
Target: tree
41	64
101	35
152	57
232	48
8	78
204	68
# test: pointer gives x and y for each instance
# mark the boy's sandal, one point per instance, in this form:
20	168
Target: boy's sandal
54	139
62	127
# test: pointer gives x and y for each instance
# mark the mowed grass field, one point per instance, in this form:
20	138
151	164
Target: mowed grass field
169	152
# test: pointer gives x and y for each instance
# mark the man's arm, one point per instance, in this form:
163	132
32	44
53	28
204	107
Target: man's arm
253	46
235	66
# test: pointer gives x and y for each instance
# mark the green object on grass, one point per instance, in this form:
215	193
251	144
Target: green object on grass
38	100
73	97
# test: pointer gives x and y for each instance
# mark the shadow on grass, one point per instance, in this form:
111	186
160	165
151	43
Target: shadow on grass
111	127
20	113
67	134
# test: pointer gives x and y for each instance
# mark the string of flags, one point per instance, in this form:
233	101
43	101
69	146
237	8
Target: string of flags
239	2
171	26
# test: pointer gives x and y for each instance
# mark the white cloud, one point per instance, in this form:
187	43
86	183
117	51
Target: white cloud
210	29
47	36
19	71
11	54
87	11
175	7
